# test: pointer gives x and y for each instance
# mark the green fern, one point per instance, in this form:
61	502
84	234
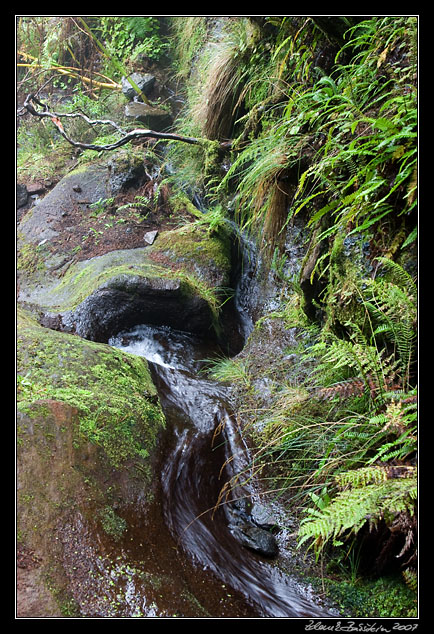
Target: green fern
362	477
392	304
357	365
371	497
410	578
399	275
139	202
141	26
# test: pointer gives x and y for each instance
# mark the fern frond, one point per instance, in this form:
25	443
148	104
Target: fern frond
354	507
397	449
357	478
399	275
362	477
343	389
410	578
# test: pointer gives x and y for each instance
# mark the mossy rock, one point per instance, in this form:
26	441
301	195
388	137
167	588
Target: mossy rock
195	250
178	281
84	185
88	503
116	401
88	423
175	282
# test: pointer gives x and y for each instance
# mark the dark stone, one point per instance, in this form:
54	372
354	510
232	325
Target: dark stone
250	526
35	188
262	517
255	538
125	301
124	171
22	195
144	82
49	320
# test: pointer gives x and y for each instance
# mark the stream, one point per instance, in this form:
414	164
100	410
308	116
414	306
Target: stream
203	449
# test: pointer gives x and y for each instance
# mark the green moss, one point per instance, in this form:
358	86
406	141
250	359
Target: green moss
211	157
30	258
386	597
39	160
201	262
112	524
196	251
112	391
82	279
342	297
179	202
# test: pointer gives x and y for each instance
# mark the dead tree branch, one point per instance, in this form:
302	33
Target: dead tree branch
32	102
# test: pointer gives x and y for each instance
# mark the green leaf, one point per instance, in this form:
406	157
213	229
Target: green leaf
410	239
384	124
307	200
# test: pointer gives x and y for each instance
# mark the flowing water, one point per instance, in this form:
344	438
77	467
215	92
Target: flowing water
203	450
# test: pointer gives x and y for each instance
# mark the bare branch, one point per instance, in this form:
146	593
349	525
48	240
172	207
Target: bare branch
31	101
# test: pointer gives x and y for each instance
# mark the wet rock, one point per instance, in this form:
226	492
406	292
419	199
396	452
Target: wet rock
154	118
124	301
76	457
250	525
255	538
89	183
263	517
125	170
145	83
22	195
99	297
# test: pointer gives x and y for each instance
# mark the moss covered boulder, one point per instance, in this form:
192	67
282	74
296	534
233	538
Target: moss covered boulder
88	422
113	393
179	282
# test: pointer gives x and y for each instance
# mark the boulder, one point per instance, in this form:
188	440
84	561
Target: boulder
145	82
153	118
127	299
250	524
88	420
263	517
175	281
85	185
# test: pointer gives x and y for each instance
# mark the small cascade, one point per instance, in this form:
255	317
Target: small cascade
203	451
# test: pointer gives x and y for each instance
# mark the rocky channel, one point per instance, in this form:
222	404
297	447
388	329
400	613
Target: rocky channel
124	445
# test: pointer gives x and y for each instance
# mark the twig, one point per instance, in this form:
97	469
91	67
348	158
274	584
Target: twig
31	101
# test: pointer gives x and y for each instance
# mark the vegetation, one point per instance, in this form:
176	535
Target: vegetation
319	118
323	128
